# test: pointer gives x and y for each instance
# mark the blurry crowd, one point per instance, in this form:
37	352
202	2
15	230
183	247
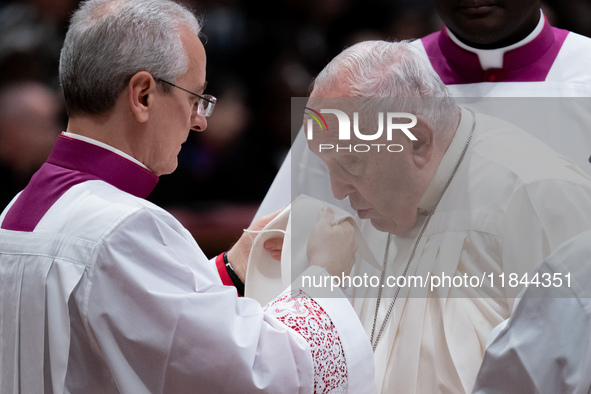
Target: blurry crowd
260	54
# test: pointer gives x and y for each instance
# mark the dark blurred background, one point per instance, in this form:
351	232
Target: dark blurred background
260	54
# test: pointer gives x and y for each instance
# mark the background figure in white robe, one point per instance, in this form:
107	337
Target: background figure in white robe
507	51
102	291
473	199
546	345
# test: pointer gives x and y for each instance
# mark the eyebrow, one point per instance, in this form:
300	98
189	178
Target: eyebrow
200	89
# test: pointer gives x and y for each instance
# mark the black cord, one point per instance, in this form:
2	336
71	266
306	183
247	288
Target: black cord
235	279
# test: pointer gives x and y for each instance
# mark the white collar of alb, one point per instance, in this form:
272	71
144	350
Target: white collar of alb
493	58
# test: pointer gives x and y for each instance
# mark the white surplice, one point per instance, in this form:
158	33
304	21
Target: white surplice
106	292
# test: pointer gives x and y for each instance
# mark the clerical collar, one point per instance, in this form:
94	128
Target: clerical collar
104	146
447	165
530	60
104	162
493	58
73	161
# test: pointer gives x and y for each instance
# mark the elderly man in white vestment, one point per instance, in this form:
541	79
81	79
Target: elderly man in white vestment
102	291
470	197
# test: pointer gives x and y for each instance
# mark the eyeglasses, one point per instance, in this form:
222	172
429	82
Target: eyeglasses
205	104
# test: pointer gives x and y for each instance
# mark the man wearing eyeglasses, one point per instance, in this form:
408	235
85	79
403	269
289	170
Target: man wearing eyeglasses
102	291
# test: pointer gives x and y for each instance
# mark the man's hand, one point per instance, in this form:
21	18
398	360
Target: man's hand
332	247
238	255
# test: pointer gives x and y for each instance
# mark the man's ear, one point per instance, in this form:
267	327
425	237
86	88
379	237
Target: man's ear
141	88
422	148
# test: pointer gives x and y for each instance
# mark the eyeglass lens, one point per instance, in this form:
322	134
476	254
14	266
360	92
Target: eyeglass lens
206	105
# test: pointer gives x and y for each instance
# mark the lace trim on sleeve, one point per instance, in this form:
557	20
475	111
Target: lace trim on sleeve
301	313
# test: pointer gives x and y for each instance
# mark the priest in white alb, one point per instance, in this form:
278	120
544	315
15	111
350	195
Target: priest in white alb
104	292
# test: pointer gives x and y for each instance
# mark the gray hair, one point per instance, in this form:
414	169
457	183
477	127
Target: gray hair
109	41
388	70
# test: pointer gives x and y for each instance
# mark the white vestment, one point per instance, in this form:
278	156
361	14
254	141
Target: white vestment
546	345
102	291
502	214
526	90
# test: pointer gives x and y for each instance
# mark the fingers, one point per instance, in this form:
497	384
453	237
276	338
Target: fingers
326	213
274	247
332	246
347	226
325	221
325	217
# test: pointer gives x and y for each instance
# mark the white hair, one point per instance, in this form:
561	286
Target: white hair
391	74
109	41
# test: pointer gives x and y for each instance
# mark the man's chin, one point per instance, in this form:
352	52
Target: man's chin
166	169
388	226
383	225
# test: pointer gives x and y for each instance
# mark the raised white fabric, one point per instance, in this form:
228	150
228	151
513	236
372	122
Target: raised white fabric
266	278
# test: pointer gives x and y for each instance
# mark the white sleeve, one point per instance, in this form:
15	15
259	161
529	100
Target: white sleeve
156	309
540	217
545	346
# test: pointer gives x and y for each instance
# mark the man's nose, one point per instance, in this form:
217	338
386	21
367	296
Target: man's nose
340	188
198	123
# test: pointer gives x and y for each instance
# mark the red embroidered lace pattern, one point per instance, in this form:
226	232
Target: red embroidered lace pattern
305	316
